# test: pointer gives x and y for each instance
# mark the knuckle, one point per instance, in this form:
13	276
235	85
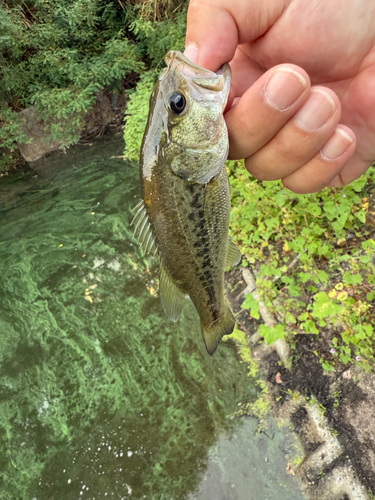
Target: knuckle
296	188
262	171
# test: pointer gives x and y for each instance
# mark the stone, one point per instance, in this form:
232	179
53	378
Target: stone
40	143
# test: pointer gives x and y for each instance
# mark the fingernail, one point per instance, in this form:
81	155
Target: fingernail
192	52
315	112
337	144
284	88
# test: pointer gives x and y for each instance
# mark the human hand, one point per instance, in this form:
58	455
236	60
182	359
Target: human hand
302	103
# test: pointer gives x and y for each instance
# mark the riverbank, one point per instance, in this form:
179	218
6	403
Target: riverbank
331	413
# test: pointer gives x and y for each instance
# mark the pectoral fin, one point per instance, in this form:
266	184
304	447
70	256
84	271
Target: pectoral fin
213	333
204	174
170	295
234	254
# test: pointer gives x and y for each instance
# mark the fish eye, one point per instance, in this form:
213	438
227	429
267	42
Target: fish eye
177	103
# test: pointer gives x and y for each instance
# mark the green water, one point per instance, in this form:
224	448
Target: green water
100	396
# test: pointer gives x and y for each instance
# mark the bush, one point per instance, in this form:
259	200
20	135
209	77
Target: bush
155	40
57	54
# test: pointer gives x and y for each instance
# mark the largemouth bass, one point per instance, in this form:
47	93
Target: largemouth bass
184	214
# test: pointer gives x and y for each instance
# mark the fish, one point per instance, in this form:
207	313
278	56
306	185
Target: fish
185	209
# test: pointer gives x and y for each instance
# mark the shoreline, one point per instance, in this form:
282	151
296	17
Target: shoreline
331	413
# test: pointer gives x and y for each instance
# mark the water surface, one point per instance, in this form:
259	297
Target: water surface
100	395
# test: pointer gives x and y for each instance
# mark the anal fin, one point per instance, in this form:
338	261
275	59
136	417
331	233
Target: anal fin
171	297
234	254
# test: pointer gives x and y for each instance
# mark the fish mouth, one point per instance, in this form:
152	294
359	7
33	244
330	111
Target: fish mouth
218	81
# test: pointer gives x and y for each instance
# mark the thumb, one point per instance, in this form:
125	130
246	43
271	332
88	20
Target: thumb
216	27
211	35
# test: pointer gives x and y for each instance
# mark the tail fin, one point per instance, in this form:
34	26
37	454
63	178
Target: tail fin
213	333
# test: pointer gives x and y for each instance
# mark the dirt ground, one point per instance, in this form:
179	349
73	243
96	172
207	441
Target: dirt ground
345	398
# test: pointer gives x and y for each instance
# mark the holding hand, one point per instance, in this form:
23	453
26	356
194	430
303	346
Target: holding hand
302	103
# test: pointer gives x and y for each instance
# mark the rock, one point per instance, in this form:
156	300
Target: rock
105	112
35	130
101	116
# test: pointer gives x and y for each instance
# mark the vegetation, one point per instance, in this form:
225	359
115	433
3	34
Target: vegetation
314	260
56	55
136	114
262	405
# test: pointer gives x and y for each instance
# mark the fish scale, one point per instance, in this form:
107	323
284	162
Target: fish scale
186	193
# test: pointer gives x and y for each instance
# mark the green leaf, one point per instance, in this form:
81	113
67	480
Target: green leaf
357	185
361	215
290	318
328	367
345	358
303	316
325	307
352	279
272	333
304	277
295	290
310	327
314	209
323	277
252	304
369	244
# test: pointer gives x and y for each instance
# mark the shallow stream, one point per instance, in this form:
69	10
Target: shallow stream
100	395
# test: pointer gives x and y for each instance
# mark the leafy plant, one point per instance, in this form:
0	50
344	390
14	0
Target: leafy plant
136	114
155	41
314	260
